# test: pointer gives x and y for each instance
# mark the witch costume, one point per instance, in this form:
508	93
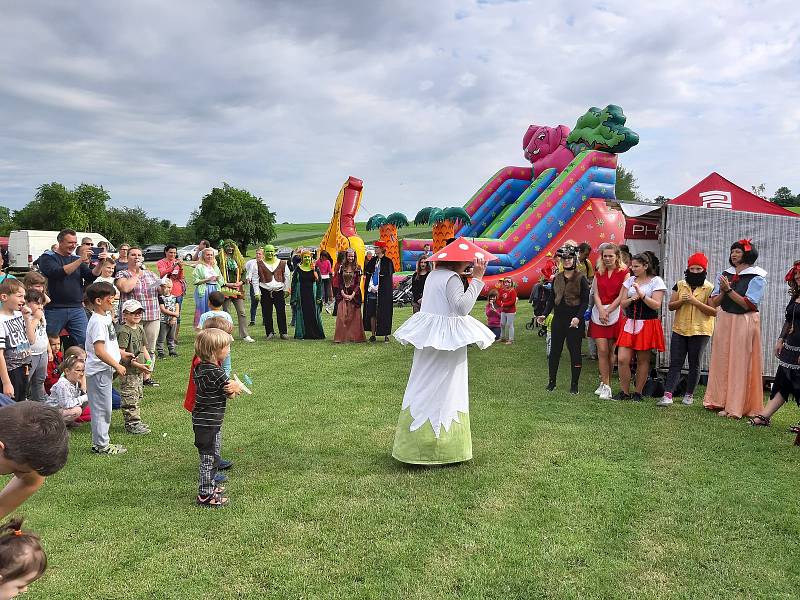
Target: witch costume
307	298
434	427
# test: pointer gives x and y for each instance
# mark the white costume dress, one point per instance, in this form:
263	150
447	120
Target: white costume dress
433	427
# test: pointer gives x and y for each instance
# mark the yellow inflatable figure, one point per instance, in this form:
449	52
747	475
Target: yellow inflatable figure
341	233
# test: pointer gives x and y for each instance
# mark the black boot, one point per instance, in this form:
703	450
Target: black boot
551	386
576	374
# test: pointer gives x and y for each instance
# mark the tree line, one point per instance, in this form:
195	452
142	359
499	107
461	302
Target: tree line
224	213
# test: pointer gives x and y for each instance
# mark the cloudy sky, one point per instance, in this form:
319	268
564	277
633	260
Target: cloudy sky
423	100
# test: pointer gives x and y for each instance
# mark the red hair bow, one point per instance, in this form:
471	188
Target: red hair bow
793	271
745	244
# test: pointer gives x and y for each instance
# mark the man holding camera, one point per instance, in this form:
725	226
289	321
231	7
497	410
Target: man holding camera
67	275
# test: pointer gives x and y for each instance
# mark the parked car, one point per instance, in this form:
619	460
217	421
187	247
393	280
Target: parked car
283	253
154	252
25	246
187	252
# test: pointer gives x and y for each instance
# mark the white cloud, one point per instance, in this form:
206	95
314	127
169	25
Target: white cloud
164	101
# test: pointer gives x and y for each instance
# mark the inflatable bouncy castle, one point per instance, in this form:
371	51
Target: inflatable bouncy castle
521	214
524	214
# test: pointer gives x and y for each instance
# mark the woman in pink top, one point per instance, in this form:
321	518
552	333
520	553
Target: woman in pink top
172	267
325	267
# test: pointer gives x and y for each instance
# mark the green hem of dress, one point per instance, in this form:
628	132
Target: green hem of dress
422	447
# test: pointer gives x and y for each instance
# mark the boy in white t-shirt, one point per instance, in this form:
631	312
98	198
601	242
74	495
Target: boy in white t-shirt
102	360
17	332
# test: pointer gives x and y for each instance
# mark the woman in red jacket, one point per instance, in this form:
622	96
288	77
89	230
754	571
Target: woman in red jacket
507	301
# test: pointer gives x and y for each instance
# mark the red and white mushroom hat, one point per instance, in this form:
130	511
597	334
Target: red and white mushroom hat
462	250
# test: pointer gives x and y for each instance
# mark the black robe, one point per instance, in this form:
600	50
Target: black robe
383	306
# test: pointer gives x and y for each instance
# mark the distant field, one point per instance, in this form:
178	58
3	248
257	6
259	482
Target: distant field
794	209
310	234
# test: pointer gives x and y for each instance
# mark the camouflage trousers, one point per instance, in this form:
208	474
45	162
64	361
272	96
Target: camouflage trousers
131	393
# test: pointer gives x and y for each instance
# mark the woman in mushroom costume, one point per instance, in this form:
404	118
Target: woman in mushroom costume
433	427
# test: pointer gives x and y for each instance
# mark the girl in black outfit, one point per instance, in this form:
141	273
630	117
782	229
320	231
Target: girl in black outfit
787	349
568	302
418	282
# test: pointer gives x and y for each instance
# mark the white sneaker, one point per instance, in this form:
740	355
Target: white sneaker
688	400
605	393
599	389
664	401
248	339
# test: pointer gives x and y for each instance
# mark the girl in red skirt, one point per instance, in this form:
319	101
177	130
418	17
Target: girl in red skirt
640	298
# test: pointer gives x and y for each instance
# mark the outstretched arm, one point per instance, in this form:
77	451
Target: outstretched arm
20	488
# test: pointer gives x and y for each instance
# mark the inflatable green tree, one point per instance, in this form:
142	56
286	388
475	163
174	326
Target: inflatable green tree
602	129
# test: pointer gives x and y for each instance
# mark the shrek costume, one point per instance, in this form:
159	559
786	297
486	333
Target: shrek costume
231	265
272	286
307	299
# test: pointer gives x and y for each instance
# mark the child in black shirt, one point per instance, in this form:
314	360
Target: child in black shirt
212	390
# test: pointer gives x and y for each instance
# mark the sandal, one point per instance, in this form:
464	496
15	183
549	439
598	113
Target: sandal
795	428
212	501
760	421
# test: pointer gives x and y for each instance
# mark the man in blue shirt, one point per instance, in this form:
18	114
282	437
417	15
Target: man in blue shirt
67	275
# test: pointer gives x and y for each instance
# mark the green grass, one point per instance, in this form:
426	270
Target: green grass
310	234
567	497
794	209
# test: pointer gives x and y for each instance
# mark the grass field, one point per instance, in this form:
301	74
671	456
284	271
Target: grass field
310	234
567	497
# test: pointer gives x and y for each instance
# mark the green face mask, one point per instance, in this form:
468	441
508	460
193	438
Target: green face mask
306	261
269	253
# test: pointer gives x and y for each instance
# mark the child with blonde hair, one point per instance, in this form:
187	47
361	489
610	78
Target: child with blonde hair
212	390
66	394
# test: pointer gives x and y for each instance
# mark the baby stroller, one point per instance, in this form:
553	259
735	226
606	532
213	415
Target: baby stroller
541	292
402	293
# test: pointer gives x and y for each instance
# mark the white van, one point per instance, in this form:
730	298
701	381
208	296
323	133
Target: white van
26	245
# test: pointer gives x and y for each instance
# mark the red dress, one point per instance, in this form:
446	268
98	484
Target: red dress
608	286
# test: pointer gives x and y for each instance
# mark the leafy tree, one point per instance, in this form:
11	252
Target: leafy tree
626	190
760	190
92	199
129	225
53	208
228	212
784	197
6	222
661	200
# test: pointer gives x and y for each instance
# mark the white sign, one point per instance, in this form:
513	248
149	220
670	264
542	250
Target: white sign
716	199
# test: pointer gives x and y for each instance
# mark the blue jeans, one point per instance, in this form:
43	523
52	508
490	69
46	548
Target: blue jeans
253	305
72	319
179	303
